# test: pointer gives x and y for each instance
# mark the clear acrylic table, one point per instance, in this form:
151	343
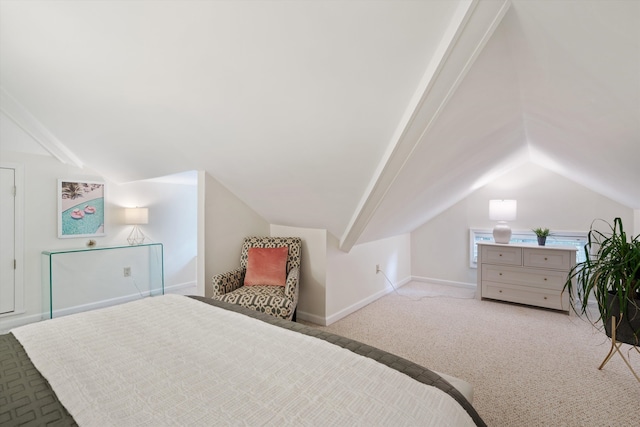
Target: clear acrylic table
77	280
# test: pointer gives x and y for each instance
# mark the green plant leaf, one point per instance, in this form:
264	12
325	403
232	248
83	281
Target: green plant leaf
612	265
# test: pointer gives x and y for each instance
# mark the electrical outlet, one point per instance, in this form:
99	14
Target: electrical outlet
377	268
127	272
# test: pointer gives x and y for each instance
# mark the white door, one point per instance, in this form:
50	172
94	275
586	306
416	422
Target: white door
7	241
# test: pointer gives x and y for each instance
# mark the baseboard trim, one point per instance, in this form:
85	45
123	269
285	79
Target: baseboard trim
364	302
118	300
9	323
101	304
309	317
181	286
328	320
444	282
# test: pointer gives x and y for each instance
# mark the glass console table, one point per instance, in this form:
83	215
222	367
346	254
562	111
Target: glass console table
77	280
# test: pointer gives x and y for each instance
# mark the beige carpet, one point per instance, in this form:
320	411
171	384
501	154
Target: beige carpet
528	366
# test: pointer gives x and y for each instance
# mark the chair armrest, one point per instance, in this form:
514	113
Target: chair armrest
224	283
291	287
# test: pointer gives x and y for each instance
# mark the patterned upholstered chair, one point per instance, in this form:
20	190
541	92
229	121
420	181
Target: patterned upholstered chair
278	301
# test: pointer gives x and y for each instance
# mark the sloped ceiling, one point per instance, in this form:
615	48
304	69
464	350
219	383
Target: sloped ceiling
366	118
579	71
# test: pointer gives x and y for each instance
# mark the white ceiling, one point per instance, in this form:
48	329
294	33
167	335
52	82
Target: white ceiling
366	118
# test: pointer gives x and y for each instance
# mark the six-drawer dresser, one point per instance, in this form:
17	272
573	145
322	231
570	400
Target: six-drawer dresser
525	274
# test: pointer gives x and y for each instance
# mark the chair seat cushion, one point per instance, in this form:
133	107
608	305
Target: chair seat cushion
267	299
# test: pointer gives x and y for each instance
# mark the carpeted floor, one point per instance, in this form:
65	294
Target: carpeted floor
528	366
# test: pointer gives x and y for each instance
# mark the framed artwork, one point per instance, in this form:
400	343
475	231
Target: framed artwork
80	208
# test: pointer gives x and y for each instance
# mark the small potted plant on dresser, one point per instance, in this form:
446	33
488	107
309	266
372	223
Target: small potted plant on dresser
542	234
611	274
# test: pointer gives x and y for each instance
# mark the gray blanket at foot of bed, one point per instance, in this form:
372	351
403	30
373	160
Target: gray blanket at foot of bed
25	396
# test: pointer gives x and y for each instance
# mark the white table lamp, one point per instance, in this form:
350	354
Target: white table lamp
502	211
136	217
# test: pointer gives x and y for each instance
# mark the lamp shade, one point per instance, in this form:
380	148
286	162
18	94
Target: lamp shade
502	210
136	216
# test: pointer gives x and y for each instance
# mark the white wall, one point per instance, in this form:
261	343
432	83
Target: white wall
224	222
352	282
334	284
440	248
172	222
167	206
206	219
312	297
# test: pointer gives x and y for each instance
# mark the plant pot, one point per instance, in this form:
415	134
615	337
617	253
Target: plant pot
628	330
542	240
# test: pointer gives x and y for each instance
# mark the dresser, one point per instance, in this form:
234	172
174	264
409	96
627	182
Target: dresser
525	274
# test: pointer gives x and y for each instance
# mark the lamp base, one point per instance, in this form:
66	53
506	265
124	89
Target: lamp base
135	237
502	233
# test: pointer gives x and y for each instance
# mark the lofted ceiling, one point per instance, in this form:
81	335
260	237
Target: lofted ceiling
365	118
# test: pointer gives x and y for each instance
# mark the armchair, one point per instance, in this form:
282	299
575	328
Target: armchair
278	301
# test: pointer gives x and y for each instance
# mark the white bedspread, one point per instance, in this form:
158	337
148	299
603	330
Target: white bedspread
172	360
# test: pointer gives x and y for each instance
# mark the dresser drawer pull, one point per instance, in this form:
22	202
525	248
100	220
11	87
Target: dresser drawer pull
500	274
545	279
545	258
500	291
500	255
545	297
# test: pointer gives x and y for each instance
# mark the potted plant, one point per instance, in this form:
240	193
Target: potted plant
542	234
611	273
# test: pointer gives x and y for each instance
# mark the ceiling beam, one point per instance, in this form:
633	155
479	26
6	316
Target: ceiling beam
36	130
470	28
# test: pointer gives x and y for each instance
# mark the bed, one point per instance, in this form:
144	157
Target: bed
176	360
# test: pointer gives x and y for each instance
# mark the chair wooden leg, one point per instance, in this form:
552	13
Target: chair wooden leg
615	347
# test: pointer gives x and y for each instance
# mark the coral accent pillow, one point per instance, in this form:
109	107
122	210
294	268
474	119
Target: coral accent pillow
266	266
